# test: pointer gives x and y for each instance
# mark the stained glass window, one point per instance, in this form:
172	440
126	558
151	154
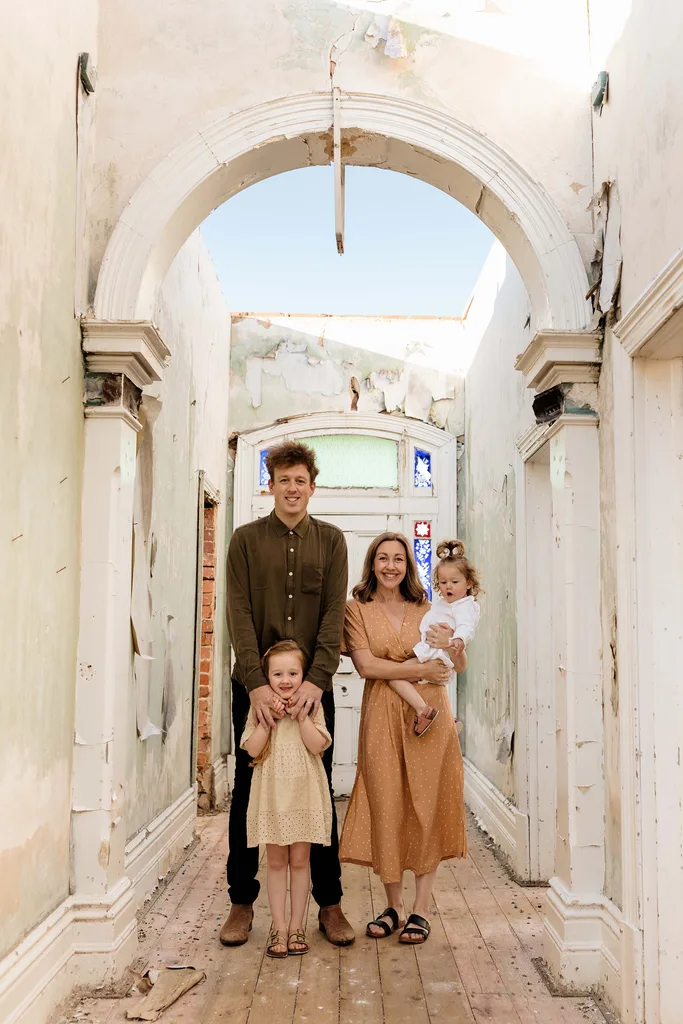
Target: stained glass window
422	469
263	472
423	557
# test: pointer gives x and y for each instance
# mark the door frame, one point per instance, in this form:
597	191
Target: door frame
398	428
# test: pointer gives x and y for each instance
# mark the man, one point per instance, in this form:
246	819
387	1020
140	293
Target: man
286	577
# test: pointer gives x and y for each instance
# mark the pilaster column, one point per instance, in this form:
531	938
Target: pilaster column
565	368
120	359
573	938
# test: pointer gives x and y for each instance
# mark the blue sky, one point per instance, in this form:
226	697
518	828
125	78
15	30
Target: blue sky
410	248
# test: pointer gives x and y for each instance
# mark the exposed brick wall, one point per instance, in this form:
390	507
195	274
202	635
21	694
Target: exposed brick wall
206	799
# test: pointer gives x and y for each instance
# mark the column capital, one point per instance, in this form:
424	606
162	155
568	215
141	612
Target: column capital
560	357
130	347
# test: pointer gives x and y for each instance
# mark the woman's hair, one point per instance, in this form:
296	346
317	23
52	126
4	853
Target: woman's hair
411	588
281	647
452	552
291	453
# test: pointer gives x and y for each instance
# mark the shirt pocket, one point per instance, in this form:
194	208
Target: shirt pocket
311	578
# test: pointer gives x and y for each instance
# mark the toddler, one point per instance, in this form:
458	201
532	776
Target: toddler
458	584
289	801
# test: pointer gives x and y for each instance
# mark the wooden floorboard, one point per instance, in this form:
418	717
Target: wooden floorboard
476	967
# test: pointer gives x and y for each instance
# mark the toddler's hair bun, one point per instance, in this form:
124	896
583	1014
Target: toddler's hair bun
450	549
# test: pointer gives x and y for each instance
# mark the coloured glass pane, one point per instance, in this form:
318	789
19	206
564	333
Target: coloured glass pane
423	557
263	472
422	469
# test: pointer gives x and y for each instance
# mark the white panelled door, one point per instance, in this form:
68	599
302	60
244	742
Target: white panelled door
377	473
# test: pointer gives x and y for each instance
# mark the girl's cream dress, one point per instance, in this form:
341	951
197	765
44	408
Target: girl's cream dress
289	800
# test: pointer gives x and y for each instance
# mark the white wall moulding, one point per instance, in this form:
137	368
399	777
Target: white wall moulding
505	823
560	357
88	941
653	326
156	848
584	941
290	132
533	439
78	944
135	349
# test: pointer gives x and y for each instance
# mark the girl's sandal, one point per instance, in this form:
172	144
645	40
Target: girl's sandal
276	939
415	925
424	720
297	938
387	929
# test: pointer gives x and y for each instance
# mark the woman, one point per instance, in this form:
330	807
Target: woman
407	808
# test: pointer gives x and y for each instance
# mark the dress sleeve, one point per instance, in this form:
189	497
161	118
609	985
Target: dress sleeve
355	636
319	723
248	728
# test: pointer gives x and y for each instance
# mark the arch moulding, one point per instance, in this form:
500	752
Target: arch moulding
244	147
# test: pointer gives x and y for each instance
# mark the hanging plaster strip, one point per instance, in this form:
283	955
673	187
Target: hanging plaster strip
338	170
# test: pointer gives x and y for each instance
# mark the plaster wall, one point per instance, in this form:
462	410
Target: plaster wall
41	452
518	71
610	377
291	365
185	432
497	411
639	135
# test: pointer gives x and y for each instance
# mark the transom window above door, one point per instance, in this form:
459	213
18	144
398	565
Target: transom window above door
357	461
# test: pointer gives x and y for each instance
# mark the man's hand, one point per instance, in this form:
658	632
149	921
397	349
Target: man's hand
268	707
305	701
435	671
439	636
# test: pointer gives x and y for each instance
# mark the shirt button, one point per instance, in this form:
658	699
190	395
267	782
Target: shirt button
289	595
291	549
291	532
289	618
291	574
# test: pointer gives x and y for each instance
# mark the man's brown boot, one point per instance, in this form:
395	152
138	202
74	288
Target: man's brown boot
235	931
334	926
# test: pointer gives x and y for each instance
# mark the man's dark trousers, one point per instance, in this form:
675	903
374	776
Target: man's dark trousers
243	886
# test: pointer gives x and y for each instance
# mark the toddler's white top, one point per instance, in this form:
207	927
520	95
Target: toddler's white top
462	616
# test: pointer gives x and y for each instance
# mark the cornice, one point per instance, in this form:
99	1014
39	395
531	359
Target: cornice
653	326
533	439
113	412
134	348
560	357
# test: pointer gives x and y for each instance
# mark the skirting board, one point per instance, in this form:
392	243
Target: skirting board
585	939
88	944
154	850
78	944
507	826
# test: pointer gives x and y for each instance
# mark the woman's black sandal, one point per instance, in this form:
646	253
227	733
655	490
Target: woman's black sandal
386	928
415	925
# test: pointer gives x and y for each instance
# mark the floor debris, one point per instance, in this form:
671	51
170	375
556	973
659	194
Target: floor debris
170	985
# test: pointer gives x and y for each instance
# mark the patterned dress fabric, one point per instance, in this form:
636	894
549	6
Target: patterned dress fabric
289	800
407	809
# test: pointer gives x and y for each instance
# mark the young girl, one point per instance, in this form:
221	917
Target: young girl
289	802
458	584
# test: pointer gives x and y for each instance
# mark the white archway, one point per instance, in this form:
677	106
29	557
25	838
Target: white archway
220	160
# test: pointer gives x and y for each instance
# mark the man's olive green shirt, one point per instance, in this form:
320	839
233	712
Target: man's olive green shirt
286	584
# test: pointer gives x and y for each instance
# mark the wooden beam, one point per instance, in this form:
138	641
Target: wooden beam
338	170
